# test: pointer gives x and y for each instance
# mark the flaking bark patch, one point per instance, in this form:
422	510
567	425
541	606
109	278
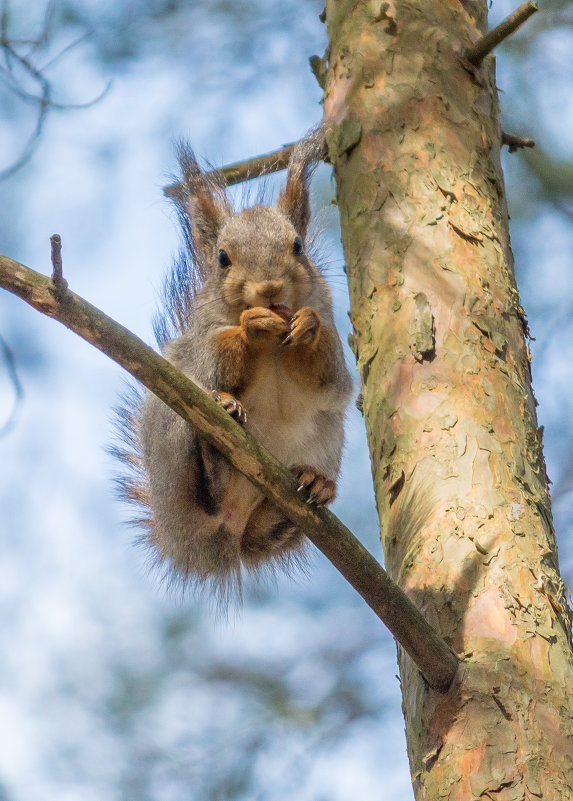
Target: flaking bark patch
423	331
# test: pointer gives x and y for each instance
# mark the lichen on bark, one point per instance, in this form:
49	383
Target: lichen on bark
440	340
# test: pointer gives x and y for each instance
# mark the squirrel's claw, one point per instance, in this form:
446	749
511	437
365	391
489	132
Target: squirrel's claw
304	327
231	405
321	489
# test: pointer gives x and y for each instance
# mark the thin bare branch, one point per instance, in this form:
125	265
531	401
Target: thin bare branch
10	362
37	74
432	655
249	169
30	146
4	19
65	50
43	99
493	38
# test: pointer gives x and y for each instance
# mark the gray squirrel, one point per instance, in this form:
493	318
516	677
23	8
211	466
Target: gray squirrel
248	316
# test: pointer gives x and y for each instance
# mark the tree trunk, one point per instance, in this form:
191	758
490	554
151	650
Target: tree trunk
440	339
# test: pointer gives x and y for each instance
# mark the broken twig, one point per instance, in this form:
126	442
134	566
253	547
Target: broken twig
58	280
476	54
515	142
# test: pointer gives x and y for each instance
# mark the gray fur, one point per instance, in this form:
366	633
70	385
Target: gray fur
204	521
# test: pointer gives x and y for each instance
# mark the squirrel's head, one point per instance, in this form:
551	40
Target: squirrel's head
261	260
257	256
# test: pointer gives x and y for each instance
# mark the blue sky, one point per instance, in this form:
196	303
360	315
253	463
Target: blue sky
97	698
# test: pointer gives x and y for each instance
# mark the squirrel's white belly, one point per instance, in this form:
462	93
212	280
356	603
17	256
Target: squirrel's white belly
281	413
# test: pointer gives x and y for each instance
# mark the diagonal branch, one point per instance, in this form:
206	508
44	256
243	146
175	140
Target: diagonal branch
493	38
432	655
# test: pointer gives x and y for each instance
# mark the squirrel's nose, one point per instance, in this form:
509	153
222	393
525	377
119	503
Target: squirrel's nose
268	289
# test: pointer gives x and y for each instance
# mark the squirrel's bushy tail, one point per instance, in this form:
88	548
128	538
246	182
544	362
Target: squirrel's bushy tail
132	487
132	484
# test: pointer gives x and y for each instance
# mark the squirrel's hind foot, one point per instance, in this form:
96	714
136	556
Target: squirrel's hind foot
321	489
268	535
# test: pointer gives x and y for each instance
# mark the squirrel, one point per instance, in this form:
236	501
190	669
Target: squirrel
248	316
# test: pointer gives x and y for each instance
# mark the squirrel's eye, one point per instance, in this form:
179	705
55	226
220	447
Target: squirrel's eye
297	247
224	260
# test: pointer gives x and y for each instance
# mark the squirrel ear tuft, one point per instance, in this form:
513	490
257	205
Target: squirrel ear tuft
294	200
207	218
203	206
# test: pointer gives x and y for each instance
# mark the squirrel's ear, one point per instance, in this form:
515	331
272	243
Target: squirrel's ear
294	200
202	205
207	217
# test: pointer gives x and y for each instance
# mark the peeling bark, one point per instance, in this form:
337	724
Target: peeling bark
440	339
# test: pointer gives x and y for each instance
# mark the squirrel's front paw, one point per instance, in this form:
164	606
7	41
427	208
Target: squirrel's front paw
260	322
304	327
321	489
230	405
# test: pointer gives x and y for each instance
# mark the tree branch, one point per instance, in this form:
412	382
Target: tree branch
432	655
515	143
249	169
491	39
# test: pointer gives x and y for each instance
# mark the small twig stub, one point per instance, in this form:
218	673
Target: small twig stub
515	143
58	280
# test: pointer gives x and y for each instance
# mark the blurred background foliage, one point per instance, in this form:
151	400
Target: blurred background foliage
111	687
